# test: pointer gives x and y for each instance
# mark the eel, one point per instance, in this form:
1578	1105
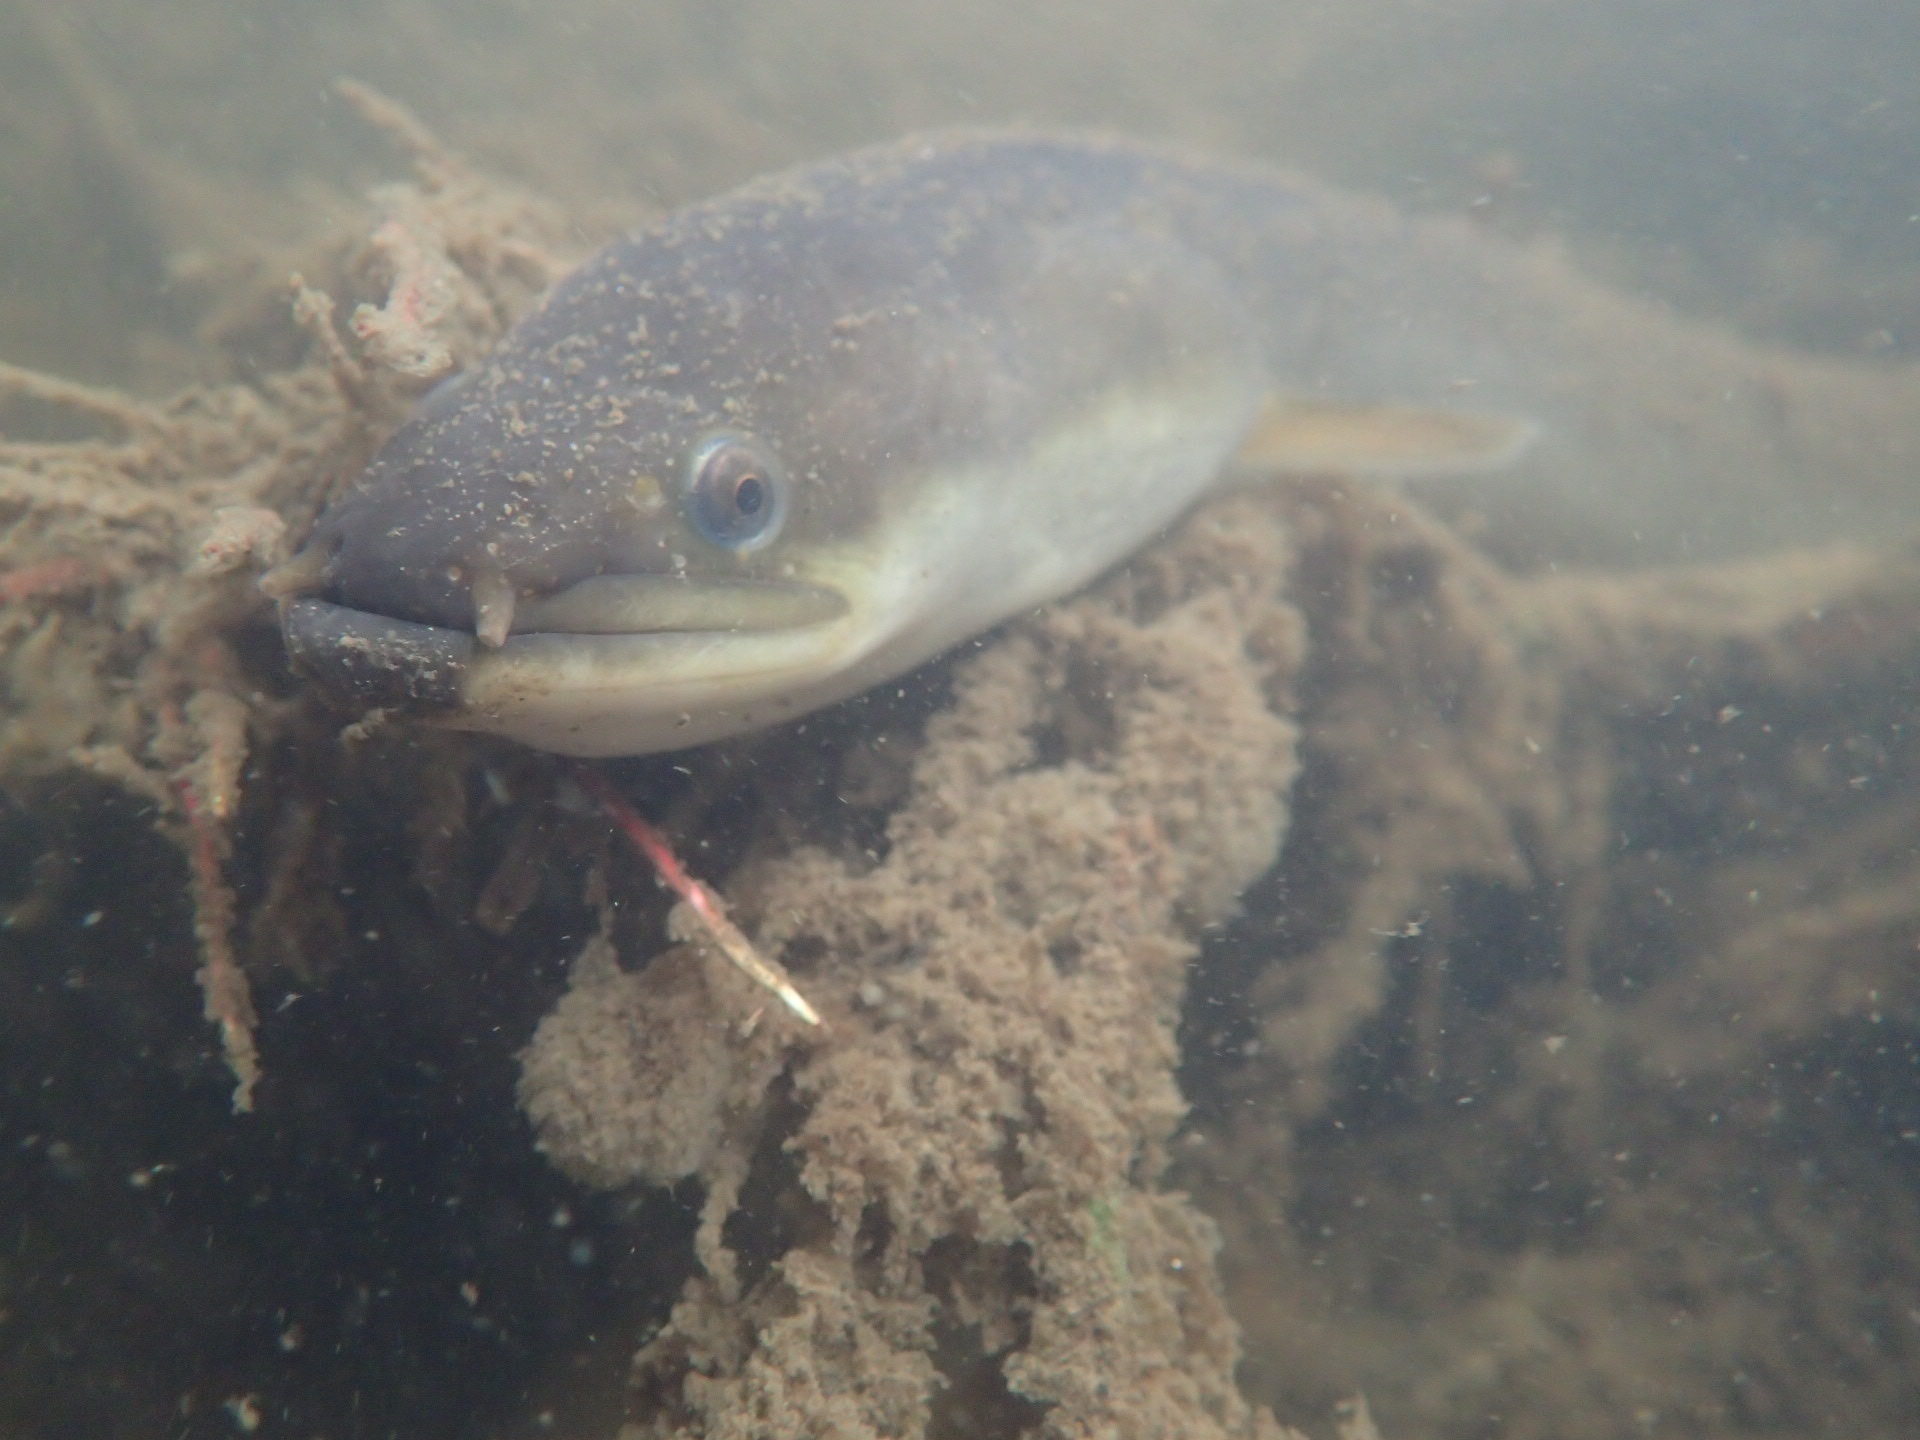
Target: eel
795	440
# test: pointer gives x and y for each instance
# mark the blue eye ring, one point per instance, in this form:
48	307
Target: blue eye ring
736	492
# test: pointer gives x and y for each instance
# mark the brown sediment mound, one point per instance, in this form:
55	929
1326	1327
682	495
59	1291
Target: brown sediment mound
972	1234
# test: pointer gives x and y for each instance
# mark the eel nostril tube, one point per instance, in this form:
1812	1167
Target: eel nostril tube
493	601
300	575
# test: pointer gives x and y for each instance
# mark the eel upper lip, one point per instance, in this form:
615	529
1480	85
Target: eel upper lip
379	660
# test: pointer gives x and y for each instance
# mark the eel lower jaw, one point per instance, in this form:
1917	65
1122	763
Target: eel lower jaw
639	666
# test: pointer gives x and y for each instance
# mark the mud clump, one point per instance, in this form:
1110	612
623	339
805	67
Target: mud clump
626	1079
966	1168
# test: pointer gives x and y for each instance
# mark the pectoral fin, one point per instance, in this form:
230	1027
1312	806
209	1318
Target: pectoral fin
1302	436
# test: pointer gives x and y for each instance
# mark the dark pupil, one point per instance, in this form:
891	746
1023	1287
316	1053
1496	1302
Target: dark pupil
749	495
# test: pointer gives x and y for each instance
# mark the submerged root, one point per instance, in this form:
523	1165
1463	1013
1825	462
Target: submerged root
129	563
1581	865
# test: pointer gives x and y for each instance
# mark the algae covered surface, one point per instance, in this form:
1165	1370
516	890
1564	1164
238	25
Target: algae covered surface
1318	962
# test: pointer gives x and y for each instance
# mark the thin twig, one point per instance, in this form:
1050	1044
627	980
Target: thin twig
702	901
226	996
436	165
313	312
97	401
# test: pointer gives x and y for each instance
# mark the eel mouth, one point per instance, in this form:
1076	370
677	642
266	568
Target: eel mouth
618	637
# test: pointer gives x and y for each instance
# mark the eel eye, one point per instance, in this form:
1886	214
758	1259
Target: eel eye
736	493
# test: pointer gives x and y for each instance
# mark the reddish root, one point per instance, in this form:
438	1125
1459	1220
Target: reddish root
707	907
227	997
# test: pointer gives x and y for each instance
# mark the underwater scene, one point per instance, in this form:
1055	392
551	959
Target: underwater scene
819	718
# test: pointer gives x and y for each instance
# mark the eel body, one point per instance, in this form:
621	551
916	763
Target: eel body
794	440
